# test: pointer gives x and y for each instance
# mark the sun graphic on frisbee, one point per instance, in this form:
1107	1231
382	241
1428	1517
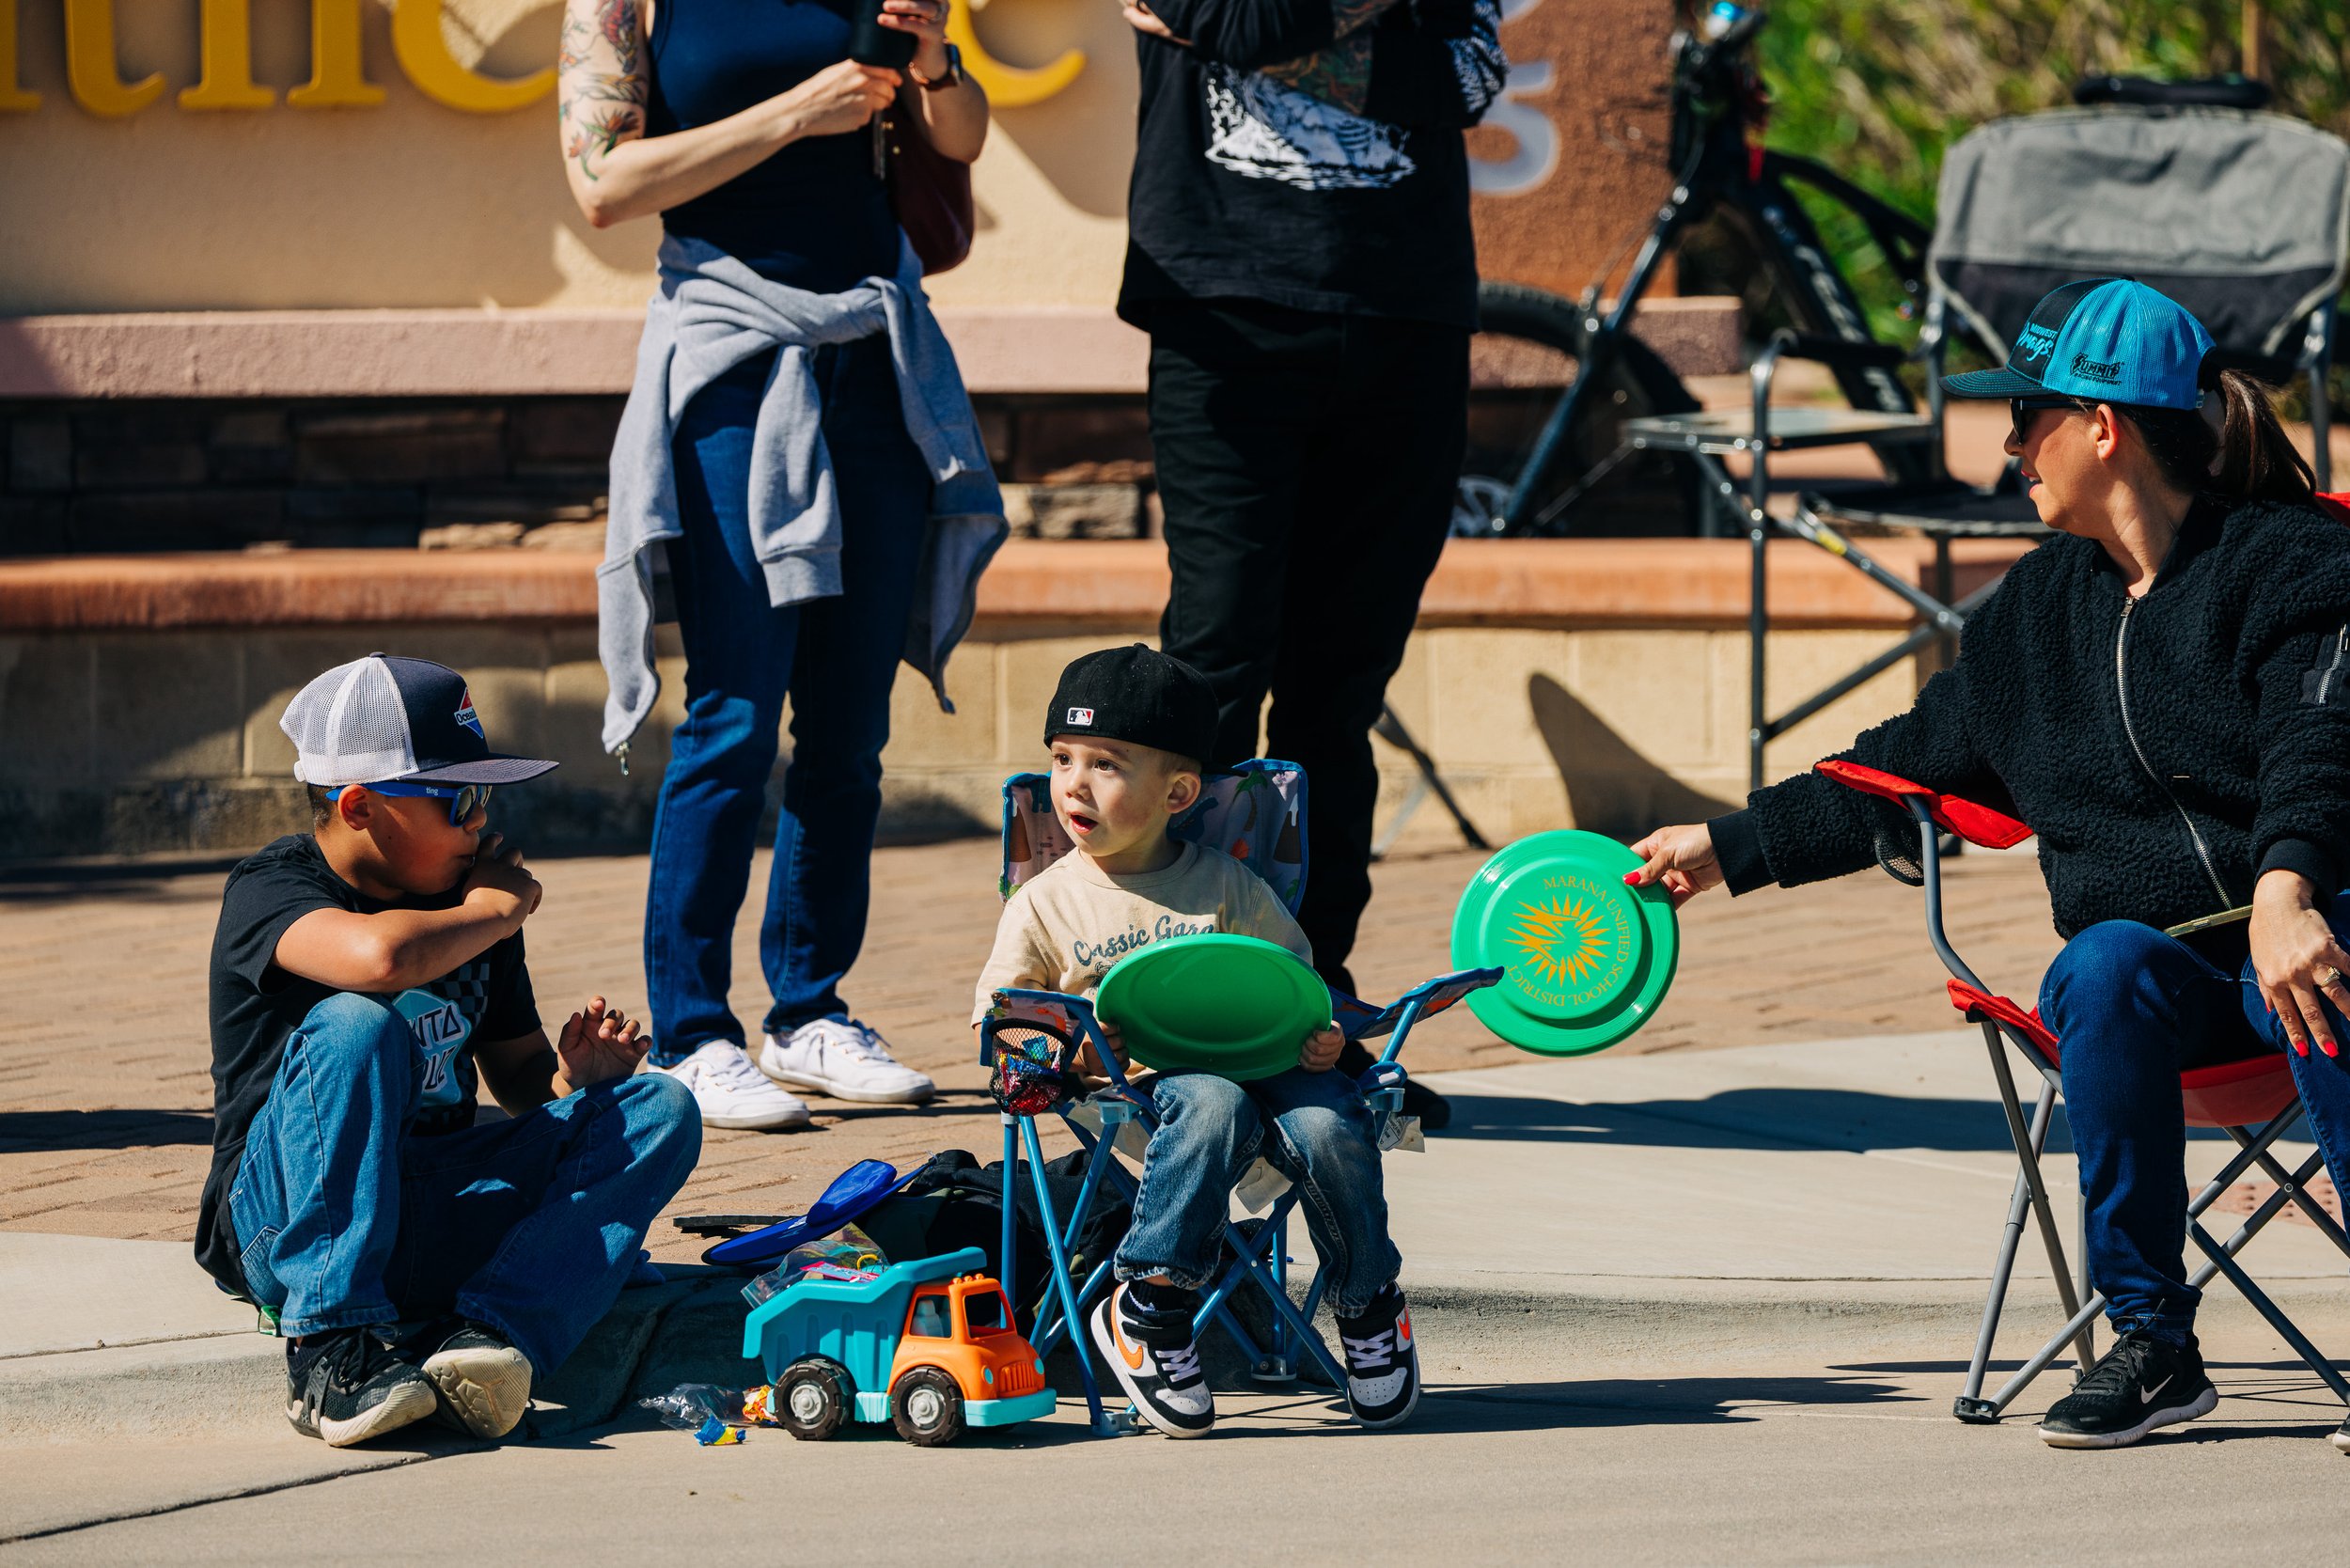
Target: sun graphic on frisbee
1561	940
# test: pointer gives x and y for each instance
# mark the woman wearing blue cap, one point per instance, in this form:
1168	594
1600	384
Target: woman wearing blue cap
2163	692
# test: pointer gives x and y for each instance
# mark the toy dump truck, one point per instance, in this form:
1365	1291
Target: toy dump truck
928	1346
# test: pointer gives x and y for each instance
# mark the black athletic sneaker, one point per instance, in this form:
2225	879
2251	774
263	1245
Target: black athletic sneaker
346	1387
1381	1363
485	1381
2138	1384
1157	1362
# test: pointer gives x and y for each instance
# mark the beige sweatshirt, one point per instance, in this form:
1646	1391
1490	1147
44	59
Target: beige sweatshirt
1063	930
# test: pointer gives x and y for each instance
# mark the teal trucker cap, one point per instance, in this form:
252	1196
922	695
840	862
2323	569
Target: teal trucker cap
2105	340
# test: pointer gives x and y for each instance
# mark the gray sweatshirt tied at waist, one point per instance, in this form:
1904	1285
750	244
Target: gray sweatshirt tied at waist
710	314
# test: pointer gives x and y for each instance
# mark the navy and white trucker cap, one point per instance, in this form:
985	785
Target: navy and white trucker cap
2105	340
383	719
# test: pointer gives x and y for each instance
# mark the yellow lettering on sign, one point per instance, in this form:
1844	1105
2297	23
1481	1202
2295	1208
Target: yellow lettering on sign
90	66
15	99
336	79
226	45
424	56
1009	86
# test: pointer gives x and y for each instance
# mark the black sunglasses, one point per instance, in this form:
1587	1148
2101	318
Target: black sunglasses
2021	411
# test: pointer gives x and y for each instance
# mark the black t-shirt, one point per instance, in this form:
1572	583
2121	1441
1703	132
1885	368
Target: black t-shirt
1247	187
256	1005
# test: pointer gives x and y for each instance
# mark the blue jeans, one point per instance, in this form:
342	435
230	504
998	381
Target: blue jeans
2132	1010
530	1226
835	658
1324	1138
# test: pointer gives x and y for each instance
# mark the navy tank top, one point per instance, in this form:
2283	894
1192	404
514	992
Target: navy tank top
813	216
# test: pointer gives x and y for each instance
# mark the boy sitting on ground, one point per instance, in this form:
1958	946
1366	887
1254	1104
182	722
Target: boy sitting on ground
1126	728
361	975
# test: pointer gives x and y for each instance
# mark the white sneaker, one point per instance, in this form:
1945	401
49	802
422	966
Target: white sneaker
844	1060
733	1093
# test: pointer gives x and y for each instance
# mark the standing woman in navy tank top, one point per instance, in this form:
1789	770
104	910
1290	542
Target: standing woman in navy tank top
746	126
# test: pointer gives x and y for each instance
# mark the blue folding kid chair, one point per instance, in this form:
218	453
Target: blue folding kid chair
1255	813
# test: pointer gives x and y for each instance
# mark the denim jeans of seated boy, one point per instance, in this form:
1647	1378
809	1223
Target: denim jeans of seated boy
2132	1008
530	1226
1316	1130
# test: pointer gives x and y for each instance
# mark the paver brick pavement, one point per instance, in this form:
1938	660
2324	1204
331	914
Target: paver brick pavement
105	1091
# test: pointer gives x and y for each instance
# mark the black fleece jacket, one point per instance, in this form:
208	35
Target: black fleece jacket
2167	750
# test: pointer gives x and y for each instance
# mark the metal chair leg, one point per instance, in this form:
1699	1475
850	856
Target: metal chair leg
2268	1310
1970	1405
2028	1156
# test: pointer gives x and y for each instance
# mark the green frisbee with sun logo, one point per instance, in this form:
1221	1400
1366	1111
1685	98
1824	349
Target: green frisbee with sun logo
1586	959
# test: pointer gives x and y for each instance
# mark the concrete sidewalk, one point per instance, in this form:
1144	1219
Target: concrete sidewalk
1635	1242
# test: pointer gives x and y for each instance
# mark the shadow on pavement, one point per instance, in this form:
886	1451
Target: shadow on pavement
101	1129
1853	1120
1642	1402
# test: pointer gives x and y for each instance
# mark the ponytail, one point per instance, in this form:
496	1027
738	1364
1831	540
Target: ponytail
2257	460
2250	458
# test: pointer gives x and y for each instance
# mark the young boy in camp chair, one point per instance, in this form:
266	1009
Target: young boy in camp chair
1126	728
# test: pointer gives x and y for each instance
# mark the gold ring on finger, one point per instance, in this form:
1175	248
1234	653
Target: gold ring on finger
2329	975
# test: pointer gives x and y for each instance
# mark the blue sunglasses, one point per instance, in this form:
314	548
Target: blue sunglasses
463	798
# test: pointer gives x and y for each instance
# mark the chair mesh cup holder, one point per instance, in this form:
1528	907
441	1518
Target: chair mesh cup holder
1034	1070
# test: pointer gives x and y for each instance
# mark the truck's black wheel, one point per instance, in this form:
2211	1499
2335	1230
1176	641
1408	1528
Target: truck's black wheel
926	1407
812	1400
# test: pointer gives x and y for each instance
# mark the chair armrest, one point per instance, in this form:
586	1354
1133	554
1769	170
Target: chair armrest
1977	824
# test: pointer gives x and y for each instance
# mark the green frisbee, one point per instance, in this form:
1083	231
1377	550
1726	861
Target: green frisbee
1234	1006
1586	958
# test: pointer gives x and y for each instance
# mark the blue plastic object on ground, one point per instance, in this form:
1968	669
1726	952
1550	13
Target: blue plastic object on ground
851	1193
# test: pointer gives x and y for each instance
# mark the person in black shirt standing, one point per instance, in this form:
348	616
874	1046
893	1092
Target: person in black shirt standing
1299	251
365	980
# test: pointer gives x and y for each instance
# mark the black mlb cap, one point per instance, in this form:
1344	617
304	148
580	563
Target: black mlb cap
1138	695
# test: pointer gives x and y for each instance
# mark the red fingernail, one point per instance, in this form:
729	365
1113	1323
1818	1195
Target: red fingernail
2329	1047
1632	879
2300	1047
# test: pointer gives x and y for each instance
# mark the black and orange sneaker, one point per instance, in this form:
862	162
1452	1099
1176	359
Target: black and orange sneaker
1157	1362
1381	1363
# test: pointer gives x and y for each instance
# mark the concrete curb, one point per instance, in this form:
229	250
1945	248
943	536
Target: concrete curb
689	1330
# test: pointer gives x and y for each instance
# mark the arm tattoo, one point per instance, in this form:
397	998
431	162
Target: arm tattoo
602	62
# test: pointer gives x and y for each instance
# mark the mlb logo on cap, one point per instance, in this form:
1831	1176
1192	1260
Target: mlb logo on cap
2102	339
383	719
1081	715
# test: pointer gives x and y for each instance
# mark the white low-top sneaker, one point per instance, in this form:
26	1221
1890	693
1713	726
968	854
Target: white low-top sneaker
845	1060
732	1092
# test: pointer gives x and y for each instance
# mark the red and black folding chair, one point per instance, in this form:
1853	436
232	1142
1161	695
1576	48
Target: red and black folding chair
2252	1101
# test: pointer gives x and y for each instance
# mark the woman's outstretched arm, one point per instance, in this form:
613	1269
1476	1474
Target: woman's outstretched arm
617	172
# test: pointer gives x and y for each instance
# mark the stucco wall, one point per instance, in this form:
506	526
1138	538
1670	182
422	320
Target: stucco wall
413	203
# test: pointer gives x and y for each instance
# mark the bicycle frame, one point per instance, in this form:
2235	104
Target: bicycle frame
1750	187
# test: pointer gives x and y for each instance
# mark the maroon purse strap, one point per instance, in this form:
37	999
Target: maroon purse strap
930	191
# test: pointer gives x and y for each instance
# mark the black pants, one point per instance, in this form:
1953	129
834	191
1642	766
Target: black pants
1307	465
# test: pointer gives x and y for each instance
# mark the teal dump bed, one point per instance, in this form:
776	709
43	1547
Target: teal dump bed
857	1324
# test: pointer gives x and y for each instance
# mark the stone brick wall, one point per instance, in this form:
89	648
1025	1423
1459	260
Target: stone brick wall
1583	682
91	476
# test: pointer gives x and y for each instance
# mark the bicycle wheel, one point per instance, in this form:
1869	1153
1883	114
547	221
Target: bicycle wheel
1527	345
